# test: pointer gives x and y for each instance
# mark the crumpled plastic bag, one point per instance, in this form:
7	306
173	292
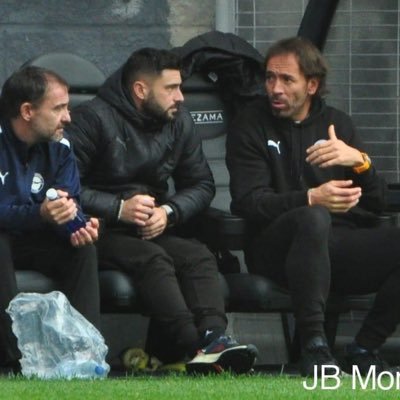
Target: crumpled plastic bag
55	340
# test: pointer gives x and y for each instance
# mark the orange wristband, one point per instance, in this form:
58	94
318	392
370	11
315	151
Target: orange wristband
365	166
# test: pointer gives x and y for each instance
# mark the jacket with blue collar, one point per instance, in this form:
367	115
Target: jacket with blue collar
25	175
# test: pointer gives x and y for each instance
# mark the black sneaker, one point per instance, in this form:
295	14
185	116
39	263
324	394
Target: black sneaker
316	354
364	360
223	354
10	368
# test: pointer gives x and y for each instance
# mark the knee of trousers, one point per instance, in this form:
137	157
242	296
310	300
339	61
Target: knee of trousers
315	221
154	258
200	251
86	257
198	255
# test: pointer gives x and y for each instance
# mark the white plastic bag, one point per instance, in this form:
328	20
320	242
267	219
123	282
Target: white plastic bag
55	340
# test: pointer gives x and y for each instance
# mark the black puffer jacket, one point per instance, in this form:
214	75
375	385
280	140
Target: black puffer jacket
122	152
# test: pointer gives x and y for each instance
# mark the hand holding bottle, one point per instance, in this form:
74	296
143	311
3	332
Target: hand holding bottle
60	209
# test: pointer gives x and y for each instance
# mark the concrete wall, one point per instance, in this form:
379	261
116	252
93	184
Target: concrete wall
102	31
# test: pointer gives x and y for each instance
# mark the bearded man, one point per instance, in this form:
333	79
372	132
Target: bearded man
130	140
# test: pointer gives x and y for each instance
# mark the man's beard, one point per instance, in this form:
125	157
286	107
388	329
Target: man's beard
153	109
42	136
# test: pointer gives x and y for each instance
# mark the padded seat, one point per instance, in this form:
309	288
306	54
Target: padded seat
255	293
83	77
117	293
359	302
250	292
33	281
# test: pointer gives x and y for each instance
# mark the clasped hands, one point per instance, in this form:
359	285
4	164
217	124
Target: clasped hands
142	211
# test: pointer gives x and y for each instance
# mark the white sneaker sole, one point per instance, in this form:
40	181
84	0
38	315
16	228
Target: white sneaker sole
238	359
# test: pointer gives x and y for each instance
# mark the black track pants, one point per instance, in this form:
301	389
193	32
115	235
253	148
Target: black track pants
176	279
75	270
302	251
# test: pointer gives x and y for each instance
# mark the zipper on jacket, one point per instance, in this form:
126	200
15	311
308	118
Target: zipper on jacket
296	162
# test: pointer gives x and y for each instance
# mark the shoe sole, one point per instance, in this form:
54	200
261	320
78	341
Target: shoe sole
238	360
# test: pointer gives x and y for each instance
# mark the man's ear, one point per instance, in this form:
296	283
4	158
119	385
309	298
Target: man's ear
140	89
313	85
26	111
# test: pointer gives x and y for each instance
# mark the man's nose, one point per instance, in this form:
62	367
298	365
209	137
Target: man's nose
273	84
66	118
179	96
276	86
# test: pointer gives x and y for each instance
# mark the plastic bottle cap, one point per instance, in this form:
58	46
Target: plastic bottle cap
51	194
99	370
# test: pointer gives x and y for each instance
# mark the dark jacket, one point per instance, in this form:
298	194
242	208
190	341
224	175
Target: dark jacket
230	62
268	171
25	175
122	152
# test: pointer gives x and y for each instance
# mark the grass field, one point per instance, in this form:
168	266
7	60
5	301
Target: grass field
183	387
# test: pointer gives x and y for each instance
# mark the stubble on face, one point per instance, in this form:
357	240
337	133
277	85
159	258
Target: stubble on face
288	90
154	109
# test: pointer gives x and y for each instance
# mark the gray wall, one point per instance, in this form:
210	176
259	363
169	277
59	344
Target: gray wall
102	31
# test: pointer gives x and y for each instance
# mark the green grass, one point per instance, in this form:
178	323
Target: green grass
182	387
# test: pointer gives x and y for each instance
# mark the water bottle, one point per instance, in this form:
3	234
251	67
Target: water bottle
82	370
75	224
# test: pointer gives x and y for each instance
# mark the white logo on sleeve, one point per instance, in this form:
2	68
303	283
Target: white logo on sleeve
3	177
37	183
275	144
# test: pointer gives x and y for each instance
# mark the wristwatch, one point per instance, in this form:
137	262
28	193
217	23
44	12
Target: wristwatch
171	218
365	166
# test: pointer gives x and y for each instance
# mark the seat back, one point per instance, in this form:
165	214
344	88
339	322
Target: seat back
83	77
210	117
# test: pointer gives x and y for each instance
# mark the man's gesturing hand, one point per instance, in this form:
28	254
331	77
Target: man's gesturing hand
333	152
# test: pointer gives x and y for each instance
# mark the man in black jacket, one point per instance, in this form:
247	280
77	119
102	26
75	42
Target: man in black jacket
129	141
300	177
